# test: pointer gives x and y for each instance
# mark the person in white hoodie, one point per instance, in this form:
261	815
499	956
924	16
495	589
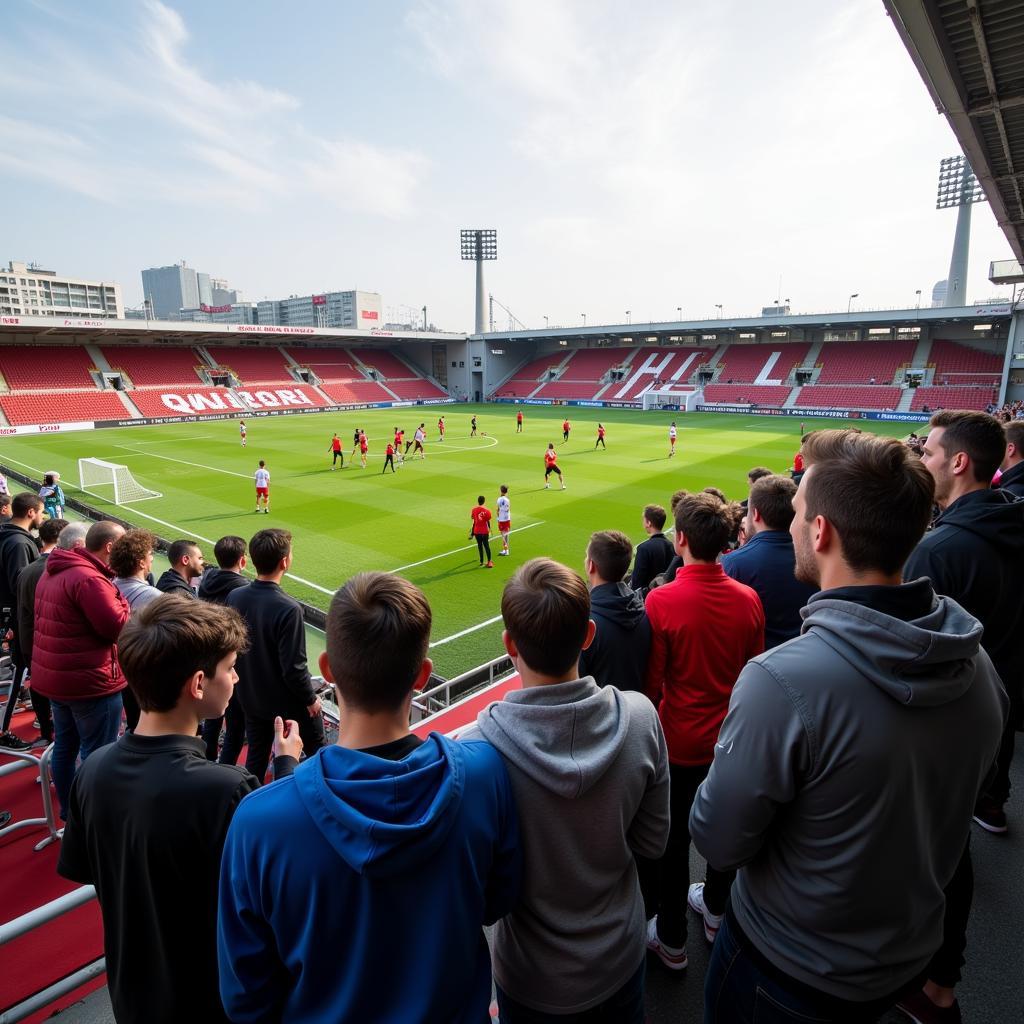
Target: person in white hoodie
589	770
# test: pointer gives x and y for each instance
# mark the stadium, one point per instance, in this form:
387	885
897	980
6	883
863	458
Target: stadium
142	421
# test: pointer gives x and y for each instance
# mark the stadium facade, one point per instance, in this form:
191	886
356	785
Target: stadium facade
349	309
28	289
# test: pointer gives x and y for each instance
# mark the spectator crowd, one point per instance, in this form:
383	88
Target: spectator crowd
816	687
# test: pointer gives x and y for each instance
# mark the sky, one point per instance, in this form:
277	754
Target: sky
644	157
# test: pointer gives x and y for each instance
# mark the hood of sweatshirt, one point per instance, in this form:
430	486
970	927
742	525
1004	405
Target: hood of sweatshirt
921	663
384	817
994	514
564	736
77	558
215	584
171	582
620	604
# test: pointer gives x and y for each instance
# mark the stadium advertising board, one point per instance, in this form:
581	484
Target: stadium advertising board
46	428
831	414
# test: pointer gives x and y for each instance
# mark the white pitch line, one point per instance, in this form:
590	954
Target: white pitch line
183	462
465	547
463	632
173	440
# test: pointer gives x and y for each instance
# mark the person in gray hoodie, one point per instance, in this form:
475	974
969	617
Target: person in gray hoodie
622	642
589	770
832	789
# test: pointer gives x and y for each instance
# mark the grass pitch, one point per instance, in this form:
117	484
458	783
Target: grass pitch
416	521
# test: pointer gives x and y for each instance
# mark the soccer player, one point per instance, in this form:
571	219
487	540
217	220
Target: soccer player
672	439
364	447
262	478
519	422
600	437
551	465
399	436
565	430
504	518
389	458
336	451
241	431
472	427
418	438
440	429
355	440
481	531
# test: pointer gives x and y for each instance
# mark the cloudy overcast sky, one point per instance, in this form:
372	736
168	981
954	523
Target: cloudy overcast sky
640	157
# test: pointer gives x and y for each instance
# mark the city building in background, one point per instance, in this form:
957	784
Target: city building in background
170	291
352	309
228	313
28	290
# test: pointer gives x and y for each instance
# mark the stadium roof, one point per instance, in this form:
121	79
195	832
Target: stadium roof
970	54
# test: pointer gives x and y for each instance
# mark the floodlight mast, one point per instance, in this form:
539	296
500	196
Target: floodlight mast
479	244
960	188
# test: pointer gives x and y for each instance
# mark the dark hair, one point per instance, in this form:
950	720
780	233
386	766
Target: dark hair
5	501
180	549
977	434
102	533
610	551
169	640
24	503
262	463
546	608
130	549
378	632
229	551
268	547
873	490
480	500
50	529
655	515
503	488
706	523
676	498
757	473
772	496
1014	431
716	493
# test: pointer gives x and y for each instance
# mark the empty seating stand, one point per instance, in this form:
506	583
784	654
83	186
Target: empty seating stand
263	365
33	367
962	364
152	367
848	397
355	392
744	363
976	398
386	364
62	407
327	364
746	394
858	362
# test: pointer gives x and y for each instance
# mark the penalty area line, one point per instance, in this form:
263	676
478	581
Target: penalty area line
182	462
464	632
465	547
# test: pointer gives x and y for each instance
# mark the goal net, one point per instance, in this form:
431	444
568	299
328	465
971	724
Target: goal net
112	482
669	398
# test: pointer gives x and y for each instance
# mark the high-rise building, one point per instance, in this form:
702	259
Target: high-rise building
229	313
171	289
28	290
357	309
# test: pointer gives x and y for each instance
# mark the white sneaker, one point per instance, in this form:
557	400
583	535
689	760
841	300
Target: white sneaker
546	486
712	922
673	959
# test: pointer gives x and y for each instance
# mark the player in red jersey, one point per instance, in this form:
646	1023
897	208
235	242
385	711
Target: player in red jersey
600	437
389	458
481	530
519	422
399	438
551	465
364	447
336	451
565	430
440	429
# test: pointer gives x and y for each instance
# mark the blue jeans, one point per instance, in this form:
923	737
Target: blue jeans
80	727
740	988
626	1006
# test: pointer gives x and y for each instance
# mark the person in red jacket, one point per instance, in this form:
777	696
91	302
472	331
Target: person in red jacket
79	614
704	628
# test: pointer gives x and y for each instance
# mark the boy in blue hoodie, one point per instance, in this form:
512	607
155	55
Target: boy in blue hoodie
357	889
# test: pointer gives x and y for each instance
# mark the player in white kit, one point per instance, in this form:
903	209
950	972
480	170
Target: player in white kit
672	439
504	518
241	431
262	478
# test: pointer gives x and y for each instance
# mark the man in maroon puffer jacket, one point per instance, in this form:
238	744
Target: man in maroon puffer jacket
79	614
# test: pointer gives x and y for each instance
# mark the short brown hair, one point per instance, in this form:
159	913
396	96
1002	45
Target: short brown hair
229	550
772	496
169	640
655	515
873	490
130	549
706	523
51	529
24	503
268	547
757	473
1014	431
611	552
977	434
378	633
716	493
546	608
676	498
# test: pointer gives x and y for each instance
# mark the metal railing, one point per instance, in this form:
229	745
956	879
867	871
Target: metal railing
25	759
29	922
430	702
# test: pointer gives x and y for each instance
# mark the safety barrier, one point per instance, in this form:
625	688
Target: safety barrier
24	759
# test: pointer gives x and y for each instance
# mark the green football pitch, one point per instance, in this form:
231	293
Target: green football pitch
416	522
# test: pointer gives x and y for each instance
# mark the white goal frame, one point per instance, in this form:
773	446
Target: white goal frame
660	397
123	487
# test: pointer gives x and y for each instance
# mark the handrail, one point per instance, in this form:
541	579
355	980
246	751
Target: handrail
34	919
29	760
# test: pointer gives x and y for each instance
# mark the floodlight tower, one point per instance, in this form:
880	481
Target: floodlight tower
479	244
958	187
